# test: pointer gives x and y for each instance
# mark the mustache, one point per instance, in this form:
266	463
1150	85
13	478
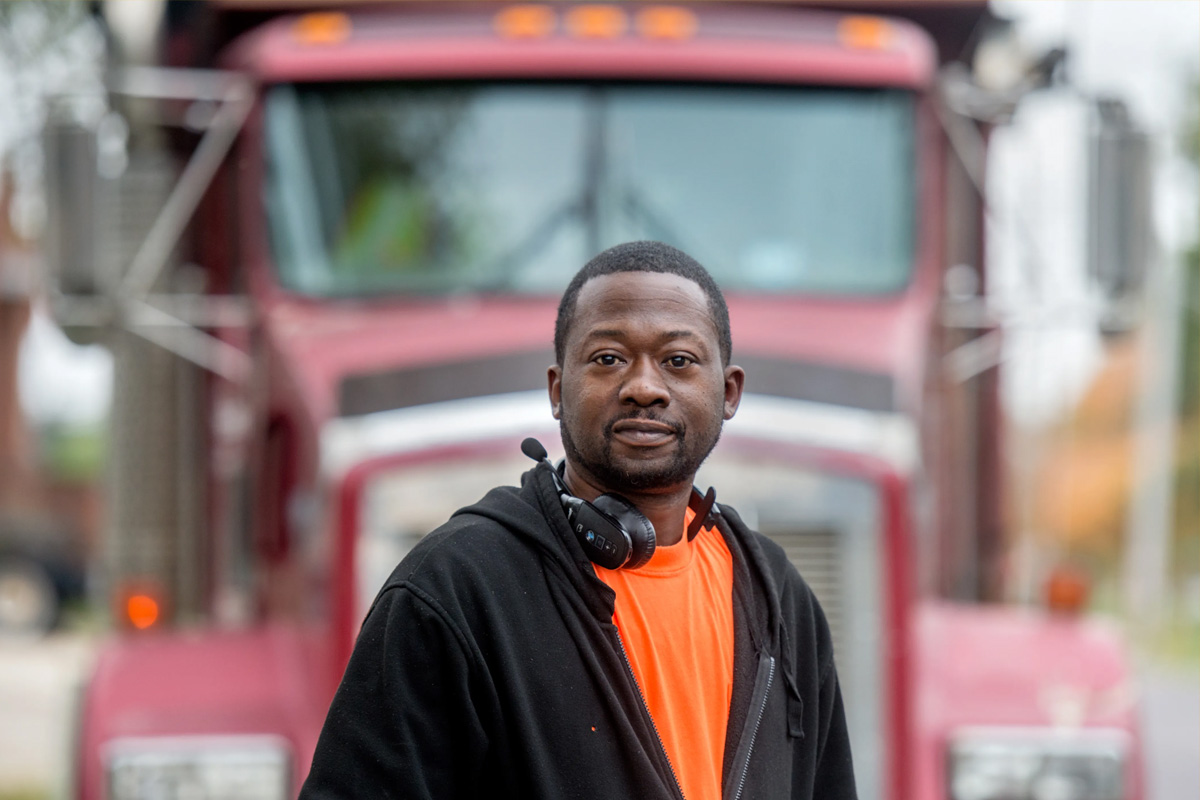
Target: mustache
677	428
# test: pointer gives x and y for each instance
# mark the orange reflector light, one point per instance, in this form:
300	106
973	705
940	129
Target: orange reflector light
666	22
597	22
1067	590
866	33
142	611
326	27
525	22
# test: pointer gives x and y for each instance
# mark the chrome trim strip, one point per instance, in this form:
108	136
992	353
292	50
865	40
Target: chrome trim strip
889	435
1053	739
346	441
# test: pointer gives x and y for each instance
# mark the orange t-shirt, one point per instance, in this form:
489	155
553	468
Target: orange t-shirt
675	616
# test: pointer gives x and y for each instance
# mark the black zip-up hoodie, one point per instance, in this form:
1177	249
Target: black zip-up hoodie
489	667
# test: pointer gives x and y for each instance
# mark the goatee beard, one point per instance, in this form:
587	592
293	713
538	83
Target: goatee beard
681	468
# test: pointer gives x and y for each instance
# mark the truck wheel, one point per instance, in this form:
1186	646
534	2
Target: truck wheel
28	601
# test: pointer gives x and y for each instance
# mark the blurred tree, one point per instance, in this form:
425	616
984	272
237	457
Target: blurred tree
1189	395
49	495
1187	472
72	455
31	28
47	49
1086	478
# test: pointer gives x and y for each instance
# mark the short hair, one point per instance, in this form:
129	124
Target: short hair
644	256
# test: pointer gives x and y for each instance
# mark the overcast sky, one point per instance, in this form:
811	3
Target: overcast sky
1138	49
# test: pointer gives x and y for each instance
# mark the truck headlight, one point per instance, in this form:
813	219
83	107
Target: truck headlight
1037	764
199	768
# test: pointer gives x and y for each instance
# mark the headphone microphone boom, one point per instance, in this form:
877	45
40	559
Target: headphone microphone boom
610	529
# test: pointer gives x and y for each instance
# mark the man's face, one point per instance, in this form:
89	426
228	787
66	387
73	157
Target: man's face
641	394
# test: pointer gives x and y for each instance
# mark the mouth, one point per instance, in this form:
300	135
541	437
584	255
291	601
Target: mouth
643	432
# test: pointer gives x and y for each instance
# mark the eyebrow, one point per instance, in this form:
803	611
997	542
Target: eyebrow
605	333
617	333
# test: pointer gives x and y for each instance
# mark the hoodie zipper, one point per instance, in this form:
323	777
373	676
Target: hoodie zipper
762	689
645	707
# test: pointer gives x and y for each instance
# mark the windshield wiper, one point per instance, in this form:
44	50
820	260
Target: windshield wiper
584	207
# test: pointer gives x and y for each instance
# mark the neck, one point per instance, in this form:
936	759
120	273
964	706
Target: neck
665	508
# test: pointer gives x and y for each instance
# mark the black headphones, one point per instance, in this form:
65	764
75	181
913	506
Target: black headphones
610	529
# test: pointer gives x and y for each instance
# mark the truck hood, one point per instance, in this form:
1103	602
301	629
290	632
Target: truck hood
347	358
1004	665
264	681
1015	668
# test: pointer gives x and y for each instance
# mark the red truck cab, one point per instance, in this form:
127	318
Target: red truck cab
413	187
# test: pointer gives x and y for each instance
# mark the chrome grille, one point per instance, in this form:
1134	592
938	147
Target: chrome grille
817	554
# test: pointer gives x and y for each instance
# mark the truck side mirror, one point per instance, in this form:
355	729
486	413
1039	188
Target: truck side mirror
1120	219
73	205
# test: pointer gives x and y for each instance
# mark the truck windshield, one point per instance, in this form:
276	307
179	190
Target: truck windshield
436	188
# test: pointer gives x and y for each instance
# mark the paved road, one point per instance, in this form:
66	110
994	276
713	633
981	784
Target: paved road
36	681
1171	724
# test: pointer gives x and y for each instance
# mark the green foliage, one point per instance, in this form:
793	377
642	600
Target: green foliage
1181	636
1189	390
25	793
1178	644
1187	502
1190	138
73	454
1189	383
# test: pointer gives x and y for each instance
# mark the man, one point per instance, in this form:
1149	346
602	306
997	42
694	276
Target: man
499	661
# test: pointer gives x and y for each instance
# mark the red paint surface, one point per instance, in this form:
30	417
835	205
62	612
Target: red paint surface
869	334
898	596
325	342
267	680
979	665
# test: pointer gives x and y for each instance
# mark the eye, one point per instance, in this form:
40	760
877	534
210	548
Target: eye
607	360
679	362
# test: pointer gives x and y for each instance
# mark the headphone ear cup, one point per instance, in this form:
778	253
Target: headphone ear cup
633	522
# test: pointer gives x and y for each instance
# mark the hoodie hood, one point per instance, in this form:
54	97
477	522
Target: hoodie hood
534	513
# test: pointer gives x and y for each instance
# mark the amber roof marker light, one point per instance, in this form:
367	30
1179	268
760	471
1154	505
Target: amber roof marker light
322	27
596	22
865	33
527	21
666	22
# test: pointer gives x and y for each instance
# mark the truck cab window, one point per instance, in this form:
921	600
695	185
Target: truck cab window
501	187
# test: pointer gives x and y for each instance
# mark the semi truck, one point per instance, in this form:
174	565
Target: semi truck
328	259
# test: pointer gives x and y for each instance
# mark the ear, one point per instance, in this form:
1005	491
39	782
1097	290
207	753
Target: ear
735	379
554	381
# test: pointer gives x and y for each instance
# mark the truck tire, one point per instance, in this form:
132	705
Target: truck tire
28	599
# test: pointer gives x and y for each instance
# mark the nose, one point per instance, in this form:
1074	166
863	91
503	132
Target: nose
644	385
